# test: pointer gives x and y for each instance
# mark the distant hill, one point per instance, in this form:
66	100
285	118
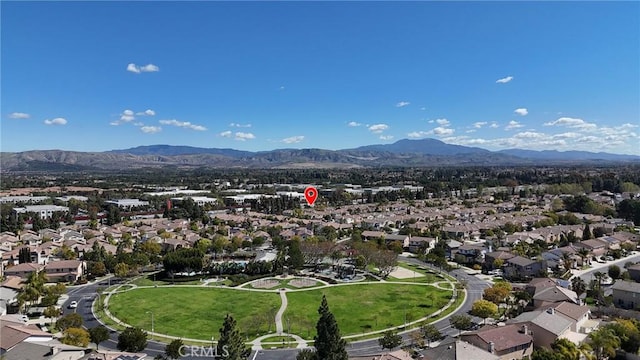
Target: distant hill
423	146
415	153
172	150
567	155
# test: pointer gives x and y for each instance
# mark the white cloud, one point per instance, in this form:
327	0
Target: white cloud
440	131
513	125
151	129
184	124
567	135
354	124
443	131
293	139
572	123
242	136
479	124
402	104
240	125
418	134
133	68
56	121
529	135
494	125
386	137
378	128
138	69
443	122
521	111
149	68
504	80
19	115
226	134
148	112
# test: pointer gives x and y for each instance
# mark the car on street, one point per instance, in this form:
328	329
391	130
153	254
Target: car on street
73	305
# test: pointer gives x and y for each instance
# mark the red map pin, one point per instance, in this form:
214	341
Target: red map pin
311	194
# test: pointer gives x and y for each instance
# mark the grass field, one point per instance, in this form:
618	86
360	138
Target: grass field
196	313
363	308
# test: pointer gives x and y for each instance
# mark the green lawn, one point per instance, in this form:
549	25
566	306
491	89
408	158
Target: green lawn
361	308
196	313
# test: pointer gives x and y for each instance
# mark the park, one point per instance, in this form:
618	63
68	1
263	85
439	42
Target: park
276	307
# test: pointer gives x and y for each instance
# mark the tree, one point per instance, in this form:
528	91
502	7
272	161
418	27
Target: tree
461	322
172	350
328	342
72	320
484	309
578	285
75	336
431	333
614	272
544	353
390	340
628	331
132	339
231	343
497	293
121	270
24	255
586	232
296	259
51	312
98	334
604	342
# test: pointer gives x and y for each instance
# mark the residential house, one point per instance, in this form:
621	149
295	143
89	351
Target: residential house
13	332
507	342
470	254
579	315
634	272
457	350
64	270
113	355
494	258
421	243
595	246
553	295
22	270
393	355
545	326
520	267
626	294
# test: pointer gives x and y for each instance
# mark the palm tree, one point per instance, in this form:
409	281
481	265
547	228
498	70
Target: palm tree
604	343
584	254
567	261
578	285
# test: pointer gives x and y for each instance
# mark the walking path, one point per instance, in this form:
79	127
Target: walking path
283	307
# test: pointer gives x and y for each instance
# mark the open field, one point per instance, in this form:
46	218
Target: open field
194	312
361	308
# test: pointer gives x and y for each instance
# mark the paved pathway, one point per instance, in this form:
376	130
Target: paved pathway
283	307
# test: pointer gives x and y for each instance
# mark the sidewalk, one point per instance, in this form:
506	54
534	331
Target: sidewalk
596	265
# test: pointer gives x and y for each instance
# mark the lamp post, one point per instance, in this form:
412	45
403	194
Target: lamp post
152	323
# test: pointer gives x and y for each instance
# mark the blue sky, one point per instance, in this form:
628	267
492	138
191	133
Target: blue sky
95	76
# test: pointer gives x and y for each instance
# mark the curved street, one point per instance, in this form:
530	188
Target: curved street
85	295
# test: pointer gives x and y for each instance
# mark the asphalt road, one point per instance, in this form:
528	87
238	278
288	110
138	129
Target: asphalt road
85	295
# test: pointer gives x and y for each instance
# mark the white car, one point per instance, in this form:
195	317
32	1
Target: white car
73	305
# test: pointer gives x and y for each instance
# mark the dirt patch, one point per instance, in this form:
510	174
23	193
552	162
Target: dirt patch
302	283
402	273
265	284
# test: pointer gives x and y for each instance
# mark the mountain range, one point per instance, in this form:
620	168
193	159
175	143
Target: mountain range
416	153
